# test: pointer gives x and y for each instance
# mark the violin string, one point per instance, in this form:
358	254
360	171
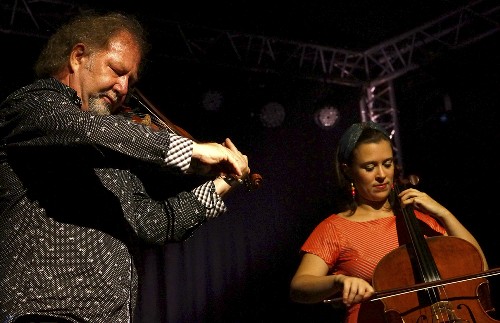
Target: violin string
158	121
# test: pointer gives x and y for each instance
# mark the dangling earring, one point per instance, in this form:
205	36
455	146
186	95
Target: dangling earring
353	191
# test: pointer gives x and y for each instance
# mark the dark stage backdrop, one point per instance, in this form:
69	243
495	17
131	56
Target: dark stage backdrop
237	268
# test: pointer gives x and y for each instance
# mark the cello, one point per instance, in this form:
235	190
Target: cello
437	279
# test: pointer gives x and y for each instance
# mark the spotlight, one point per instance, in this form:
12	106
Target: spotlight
326	117
445	115
272	115
212	100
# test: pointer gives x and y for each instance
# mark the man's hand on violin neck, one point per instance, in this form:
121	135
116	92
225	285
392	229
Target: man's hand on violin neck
219	157
242	160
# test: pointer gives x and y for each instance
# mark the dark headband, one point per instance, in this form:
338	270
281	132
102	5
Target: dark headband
351	136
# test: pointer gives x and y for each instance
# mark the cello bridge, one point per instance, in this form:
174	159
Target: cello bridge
443	313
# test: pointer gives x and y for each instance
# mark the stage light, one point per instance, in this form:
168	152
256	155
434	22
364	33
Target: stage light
448	107
272	115
326	117
212	100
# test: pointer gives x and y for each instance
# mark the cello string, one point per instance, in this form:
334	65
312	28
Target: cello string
432	294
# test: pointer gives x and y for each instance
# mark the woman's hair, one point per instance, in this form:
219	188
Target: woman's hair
356	134
92	29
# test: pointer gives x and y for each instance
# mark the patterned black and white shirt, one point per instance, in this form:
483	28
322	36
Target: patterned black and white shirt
78	194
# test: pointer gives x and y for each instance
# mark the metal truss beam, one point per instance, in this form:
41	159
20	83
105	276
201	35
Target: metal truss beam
378	104
34	18
373	69
382	62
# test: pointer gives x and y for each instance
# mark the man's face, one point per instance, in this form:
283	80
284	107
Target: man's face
106	75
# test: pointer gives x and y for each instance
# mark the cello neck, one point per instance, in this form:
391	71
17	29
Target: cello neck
422	256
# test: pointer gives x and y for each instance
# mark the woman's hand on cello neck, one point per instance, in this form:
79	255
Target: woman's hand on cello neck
422	202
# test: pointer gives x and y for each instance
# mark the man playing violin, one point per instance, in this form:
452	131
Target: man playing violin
341	254
72	197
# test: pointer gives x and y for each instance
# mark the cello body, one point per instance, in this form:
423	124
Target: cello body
462	302
428	261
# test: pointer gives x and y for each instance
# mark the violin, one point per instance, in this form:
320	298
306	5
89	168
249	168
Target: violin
435	279
147	114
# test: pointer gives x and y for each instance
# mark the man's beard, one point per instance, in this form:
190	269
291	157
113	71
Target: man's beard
98	106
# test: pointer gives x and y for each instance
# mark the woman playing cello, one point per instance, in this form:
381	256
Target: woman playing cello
342	252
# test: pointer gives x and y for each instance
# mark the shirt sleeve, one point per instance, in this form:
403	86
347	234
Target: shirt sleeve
323	242
181	149
52	121
206	194
180	157
432	227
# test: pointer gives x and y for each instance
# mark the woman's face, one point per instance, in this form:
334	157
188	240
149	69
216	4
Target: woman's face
372	171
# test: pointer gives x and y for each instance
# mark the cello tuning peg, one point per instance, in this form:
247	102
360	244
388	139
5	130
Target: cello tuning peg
413	180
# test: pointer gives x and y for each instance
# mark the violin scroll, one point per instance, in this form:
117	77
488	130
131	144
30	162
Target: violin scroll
253	182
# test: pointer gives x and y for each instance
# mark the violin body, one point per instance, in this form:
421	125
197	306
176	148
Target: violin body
467	301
